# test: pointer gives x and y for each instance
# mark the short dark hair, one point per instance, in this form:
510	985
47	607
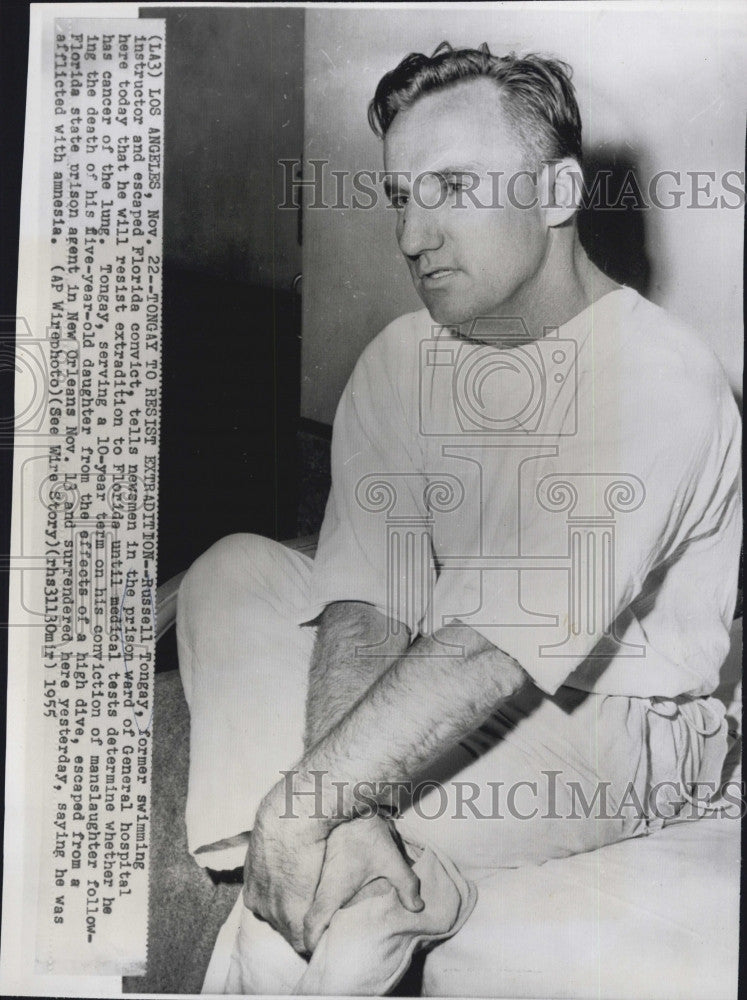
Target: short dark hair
536	94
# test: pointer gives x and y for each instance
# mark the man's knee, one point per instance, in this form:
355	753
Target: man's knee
231	565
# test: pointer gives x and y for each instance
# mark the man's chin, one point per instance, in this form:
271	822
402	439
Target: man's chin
479	327
448	314
455	312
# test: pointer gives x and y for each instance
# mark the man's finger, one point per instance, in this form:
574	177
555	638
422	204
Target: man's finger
406	885
328	900
297	940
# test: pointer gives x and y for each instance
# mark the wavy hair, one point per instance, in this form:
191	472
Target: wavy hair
535	93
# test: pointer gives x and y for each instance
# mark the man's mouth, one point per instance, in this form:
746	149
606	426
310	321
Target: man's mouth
436	275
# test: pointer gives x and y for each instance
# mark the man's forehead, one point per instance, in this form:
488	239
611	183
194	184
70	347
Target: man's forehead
463	122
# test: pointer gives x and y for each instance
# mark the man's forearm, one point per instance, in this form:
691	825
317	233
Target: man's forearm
354	647
284	861
421	705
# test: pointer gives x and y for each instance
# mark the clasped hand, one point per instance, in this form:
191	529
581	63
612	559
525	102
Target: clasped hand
300	870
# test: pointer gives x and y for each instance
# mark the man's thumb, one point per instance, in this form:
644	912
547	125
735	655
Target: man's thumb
407	886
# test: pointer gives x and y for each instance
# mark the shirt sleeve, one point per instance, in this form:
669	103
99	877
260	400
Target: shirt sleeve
375	544
629	545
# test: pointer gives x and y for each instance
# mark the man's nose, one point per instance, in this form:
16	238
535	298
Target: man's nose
418	230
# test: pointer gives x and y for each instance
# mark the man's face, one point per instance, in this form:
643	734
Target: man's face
466	261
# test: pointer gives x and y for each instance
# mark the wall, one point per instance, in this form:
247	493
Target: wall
234	98
659	89
231	323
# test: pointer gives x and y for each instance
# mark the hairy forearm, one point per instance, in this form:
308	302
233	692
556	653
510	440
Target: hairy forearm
416	709
354	646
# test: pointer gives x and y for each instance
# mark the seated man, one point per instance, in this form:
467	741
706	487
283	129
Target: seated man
506	643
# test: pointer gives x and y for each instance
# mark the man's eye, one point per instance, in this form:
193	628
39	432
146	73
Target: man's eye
399	201
456	182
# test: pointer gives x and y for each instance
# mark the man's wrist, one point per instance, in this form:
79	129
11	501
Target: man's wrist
310	795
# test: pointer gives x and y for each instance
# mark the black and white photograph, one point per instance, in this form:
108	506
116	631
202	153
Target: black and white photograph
375	558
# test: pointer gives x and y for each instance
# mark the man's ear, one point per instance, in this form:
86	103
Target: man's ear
560	187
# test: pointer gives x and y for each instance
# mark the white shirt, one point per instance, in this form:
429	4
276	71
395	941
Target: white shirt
575	499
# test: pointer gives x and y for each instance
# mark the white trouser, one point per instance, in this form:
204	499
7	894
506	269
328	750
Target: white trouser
561	775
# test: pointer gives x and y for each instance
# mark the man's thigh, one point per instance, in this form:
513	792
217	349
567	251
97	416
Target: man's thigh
546	778
244	665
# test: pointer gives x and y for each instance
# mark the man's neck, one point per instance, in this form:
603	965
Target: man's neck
567	284
573	285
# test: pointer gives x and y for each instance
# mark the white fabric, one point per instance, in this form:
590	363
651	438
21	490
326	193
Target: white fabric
604	924
655	919
428	468
569	536
244	672
365	951
244	667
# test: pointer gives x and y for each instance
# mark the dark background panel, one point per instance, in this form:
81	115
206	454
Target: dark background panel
234	108
228	416
231	319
